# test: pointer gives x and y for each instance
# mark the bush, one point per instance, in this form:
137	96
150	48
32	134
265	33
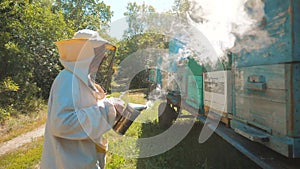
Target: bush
140	80
4	115
29	60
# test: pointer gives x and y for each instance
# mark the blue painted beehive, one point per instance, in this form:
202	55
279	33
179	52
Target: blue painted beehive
281	25
266	93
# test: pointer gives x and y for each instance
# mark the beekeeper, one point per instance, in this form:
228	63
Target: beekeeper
78	112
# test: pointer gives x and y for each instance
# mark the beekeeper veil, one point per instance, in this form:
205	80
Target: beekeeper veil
84	53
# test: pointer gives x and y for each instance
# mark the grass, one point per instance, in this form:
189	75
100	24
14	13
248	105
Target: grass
133	96
187	154
213	154
28	156
20	124
190	154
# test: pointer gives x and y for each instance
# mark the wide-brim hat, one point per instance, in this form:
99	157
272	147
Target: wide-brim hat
81	46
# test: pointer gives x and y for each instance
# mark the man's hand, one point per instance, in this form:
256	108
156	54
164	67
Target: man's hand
101	94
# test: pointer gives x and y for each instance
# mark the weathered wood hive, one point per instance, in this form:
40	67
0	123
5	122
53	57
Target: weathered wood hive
266	92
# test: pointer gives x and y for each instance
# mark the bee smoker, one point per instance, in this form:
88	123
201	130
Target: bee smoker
125	117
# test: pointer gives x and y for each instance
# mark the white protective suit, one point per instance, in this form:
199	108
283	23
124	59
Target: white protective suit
76	120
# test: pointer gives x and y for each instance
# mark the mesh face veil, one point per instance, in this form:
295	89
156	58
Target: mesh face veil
100	69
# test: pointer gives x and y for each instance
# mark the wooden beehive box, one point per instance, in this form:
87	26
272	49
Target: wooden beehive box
217	91
267	98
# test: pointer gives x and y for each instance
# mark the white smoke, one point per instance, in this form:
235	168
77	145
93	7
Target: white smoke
223	22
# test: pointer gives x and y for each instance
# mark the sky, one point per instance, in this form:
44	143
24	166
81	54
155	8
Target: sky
119	6
118	22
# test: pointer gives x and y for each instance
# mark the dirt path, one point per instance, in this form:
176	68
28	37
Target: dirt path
21	140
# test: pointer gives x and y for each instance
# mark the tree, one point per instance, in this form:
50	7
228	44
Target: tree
138	39
181	6
80	14
29	59
28	56
137	16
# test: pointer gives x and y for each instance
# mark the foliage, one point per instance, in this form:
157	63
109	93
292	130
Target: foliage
8	85
29	61
137	16
81	14
139	46
137	39
181	6
4	115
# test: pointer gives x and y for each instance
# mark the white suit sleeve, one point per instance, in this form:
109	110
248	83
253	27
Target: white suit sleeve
73	123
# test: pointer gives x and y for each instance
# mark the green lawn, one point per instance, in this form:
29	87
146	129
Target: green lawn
188	154
28	156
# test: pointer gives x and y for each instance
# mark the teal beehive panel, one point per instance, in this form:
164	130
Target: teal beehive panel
195	91
175	45
281	24
195	67
296	28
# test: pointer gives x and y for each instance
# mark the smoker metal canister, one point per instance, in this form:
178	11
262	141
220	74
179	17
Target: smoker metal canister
124	118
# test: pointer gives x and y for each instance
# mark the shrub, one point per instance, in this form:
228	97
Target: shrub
4	115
